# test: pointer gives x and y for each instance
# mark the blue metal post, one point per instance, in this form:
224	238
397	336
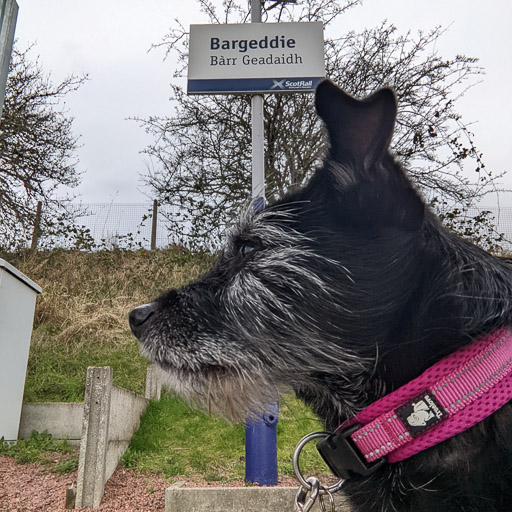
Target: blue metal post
261	433
261	448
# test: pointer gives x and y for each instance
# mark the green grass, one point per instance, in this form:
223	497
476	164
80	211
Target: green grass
295	421
175	440
179	442
56	373
58	456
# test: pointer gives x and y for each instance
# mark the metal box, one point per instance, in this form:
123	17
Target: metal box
17	303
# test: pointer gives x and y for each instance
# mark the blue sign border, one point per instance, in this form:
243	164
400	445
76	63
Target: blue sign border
253	85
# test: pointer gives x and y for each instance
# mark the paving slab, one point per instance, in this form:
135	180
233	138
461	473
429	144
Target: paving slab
235	499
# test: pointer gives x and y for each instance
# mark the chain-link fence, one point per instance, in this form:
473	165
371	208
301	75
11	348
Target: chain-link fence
503	221
125	224
495	225
146	225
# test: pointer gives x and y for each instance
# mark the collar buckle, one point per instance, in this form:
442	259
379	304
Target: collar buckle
342	456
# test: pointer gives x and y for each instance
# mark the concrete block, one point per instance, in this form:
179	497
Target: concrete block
236	499
115	451
126	408
153	383
63	420
94	443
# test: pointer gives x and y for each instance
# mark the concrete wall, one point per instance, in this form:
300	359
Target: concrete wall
103	425
111	416
126	408
63	420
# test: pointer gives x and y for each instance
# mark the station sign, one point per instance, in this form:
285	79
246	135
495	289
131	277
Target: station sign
255	58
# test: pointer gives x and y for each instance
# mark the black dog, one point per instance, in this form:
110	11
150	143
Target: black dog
344	291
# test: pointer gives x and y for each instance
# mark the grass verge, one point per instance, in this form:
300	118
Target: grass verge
179	442
56	373
58	456
81	316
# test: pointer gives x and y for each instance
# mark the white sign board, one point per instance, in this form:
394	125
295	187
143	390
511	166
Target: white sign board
255	58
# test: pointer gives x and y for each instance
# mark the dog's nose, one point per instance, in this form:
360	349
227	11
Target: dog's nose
139	316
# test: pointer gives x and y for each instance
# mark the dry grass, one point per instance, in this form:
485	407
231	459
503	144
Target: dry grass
87	296
81	315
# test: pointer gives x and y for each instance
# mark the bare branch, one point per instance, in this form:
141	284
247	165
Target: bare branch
37	148
200	155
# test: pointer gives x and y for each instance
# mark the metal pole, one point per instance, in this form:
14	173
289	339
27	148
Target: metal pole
260	431
8	17
258	146
258	152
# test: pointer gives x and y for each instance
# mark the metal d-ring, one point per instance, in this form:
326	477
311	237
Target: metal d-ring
295	461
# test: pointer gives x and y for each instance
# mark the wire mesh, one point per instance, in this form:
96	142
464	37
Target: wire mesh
499	223
126	224
129	225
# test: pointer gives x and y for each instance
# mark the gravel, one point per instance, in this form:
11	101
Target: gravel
31	487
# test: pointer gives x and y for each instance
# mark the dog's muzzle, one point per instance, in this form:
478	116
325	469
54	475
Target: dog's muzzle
139	316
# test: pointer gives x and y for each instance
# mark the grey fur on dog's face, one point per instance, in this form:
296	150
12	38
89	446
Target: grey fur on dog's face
236	338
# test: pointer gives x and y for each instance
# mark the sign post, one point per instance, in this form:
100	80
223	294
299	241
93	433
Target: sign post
249	58
260	434
258	142
257	58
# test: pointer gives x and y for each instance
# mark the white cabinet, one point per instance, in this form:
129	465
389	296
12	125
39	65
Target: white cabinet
17	303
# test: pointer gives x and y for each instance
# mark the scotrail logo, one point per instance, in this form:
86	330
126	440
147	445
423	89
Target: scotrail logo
278	84
299	84
284	84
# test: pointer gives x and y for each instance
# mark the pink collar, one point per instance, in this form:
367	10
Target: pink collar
451	396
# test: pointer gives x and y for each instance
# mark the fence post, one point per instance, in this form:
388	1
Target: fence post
94	442
36	233
153	383
154	224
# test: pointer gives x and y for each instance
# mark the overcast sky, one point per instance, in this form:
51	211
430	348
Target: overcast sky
109	41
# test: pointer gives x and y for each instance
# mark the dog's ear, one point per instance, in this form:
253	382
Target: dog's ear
358	129
360	132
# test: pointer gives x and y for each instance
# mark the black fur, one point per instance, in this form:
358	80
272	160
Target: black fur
344	291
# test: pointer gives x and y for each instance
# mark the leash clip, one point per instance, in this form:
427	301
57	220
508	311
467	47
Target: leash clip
306	484
343	458
301	505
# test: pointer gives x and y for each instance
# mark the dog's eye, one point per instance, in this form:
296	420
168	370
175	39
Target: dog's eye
246	248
